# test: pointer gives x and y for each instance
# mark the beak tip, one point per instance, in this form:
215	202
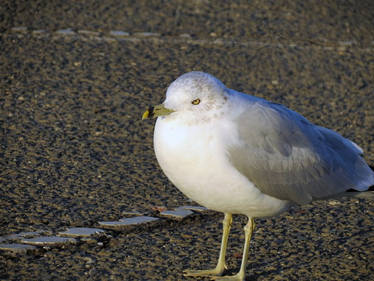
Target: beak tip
145	115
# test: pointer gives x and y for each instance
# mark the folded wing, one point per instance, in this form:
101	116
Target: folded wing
287	157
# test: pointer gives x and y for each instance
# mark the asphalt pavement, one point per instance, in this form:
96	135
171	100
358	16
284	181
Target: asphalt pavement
75	78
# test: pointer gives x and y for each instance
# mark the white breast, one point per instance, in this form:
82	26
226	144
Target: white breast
194	159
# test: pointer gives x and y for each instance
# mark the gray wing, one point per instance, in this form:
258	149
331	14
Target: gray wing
287	157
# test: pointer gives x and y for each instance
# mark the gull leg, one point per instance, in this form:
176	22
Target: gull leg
221	265
248	230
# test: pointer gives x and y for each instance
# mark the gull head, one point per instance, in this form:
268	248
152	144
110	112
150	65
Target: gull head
194	94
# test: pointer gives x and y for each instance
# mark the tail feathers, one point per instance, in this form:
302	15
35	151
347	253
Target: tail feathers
371	183
368	178
364	190
371	187
369	194
351	193
365	185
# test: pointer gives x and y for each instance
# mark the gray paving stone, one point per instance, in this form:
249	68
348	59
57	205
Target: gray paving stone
131	213
119	33
127	222
67	31
48	241
81	232
177	214
20	235
16	248
198	209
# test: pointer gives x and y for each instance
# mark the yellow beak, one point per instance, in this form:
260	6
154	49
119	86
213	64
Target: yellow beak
155	111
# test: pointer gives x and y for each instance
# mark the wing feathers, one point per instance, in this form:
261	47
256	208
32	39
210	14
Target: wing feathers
288	157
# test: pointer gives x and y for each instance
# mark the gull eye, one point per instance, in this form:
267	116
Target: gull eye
196	102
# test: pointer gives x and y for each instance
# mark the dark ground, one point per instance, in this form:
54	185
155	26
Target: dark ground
74	150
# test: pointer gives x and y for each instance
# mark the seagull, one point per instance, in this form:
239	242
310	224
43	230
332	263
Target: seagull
240	154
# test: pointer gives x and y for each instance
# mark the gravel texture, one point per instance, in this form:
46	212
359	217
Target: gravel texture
75	79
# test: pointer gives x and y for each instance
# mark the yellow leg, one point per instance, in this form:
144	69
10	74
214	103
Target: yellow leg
248	230
221	265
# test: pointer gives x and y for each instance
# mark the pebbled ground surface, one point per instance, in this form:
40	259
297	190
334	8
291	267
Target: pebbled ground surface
73	150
